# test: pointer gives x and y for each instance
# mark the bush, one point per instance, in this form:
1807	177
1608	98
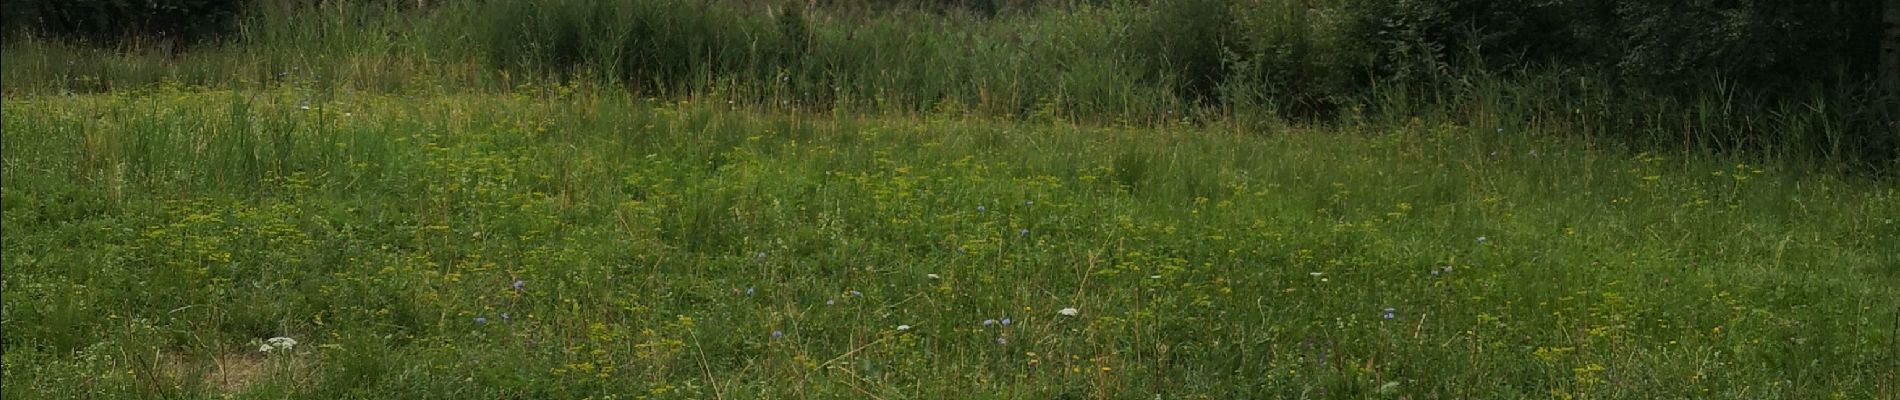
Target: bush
661	44
1766	44
1185	41
1725	65
1289	60
795	30
116	21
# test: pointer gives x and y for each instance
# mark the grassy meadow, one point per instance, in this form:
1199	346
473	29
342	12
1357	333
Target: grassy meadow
588	244
666	199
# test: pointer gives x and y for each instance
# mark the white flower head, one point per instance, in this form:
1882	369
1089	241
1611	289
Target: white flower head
279	343
1069	312
932	276
901	328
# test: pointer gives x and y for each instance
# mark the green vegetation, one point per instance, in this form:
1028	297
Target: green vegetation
1779	79
153	238
961	199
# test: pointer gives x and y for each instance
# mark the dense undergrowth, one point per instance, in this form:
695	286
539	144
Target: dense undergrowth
1781	80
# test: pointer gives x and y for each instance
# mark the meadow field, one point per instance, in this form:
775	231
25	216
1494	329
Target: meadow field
599	245
308	214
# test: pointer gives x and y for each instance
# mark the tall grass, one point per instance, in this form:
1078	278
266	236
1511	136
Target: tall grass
1184	60
681	199
688	249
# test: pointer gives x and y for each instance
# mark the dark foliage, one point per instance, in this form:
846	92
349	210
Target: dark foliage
116	21
1184	40
1775	44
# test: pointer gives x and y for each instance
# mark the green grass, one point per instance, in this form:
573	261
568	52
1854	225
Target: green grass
154	237
1123	63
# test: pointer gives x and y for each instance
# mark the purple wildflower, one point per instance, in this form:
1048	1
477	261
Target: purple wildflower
1390	312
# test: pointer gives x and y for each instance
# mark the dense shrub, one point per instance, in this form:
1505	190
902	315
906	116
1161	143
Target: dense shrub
1786	75
1779	76
795	30
984	8
660	44
1762	44
1769	44
114	21
1290	61
1732	75
1184	41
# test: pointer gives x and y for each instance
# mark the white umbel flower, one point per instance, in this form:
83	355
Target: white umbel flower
1069	312
279	343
